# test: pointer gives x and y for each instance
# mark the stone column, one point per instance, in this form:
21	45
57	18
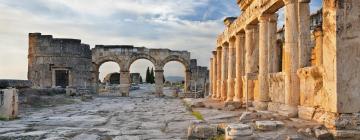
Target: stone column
274	53
304	33
214	75
263	98
187	80
211	71
231	71
218	70
318	34
124	82
240	69
292	87
224	65
250	65
159	82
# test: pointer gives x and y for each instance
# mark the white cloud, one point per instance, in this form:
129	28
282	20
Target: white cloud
94	23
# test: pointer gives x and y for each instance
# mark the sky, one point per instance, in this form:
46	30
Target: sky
190	25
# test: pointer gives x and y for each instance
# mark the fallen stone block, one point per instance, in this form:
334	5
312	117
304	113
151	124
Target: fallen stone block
236	105
268	125
237	131
323	134
200	130
230	108
294	137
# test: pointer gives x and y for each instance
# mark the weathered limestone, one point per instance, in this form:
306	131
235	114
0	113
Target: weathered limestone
67	63
293	77
214	75
304	33
251	64
8	103
291	56
261	101
240	65
219	70
159	82
211	71
54	62
231	71
237	131
224	65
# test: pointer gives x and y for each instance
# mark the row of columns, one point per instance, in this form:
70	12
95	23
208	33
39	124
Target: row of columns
252	52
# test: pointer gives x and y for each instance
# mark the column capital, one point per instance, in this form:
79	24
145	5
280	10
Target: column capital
273	17
289	1
240	35
304	1
264	17
214	52
249	27
225	45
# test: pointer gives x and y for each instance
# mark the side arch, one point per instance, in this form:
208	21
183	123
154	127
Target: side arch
182	60
133	58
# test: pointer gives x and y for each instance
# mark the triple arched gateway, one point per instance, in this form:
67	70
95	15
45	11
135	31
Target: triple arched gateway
125	55
68	63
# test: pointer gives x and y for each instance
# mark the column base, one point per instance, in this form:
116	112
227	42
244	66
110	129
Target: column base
260	105
237	105
236	99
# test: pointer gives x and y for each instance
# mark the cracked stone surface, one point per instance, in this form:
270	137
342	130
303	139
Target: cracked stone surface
141	116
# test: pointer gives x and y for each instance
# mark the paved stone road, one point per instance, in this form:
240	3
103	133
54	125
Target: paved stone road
141	116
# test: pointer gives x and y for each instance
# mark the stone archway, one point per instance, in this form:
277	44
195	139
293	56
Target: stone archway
160	72
126	55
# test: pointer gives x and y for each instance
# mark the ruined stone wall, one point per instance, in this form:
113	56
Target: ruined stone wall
47	54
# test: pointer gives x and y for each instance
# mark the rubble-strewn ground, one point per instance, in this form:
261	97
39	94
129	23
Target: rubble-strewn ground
141	116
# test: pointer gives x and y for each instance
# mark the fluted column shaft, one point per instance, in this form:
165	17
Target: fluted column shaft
239	66
224	65
231	71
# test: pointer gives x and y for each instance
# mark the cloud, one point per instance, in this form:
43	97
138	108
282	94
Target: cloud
191	25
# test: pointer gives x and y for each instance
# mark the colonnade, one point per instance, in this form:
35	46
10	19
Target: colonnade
240	65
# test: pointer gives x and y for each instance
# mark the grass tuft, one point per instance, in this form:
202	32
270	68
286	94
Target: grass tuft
197	115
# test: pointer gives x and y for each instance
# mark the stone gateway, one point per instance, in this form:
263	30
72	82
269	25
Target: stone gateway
68	63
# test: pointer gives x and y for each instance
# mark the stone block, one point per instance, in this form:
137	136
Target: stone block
200	130
237	131
237	105
306	113
294	137
230	108
8	103
323	134
268	125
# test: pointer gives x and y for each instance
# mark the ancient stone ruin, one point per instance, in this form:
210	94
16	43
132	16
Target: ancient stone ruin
301	70
68	63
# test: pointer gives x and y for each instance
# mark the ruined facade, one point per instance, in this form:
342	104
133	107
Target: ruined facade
54	62
312	79
67	63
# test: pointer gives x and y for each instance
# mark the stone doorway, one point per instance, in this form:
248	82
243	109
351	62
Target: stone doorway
62	78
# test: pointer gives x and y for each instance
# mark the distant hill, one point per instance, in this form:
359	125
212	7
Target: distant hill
174	78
